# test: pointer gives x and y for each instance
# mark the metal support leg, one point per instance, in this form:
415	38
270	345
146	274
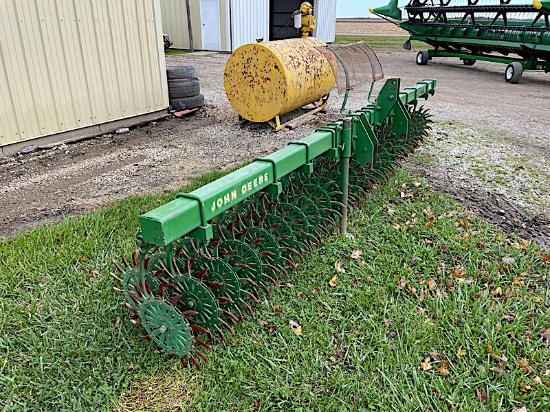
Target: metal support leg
344	183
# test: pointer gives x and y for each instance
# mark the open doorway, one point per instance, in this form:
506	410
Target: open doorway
281	22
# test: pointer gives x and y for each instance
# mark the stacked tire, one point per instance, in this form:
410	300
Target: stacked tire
183	88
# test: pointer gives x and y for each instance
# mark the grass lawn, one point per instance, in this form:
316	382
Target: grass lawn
424	308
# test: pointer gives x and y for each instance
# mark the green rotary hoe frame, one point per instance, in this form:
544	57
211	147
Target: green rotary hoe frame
515	34
205	257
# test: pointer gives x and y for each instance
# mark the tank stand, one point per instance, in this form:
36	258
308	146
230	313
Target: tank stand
300	120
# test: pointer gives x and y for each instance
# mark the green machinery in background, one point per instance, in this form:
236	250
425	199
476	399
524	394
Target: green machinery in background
206	256
515	34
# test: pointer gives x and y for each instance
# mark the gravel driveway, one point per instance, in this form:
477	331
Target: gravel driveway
489	148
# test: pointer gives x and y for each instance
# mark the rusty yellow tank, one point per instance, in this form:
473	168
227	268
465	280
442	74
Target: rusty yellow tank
267	79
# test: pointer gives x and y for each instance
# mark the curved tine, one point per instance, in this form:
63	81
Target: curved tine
163	268
274	268
202	343
230	315
220	332
200	355
115	277
148	287
241	317
193	246
275	283
194	362
133	298
137	323
251	296
266	290
184	362
296	252
188	313
291	264
200	274
283	270
175	266
146	263
124	260
248	307
226	326
197	328
214	285
223	299
135	259
251	282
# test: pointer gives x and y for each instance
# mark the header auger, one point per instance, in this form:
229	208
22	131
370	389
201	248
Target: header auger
515	34
205	257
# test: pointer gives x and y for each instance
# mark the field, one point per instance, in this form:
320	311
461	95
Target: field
368	27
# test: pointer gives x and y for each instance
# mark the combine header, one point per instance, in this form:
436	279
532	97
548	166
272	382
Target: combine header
515	34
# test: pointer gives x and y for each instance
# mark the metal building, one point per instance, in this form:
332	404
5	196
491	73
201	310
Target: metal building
77	68
224	25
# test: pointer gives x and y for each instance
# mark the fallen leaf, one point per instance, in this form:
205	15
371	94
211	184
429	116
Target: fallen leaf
444	248
524	365
546	257
355	283
402	282
426	365
440	293
524	388
262	323
490	348
422	295
416	184
339	268
431	284
356	254
443	370
545	334
538	380
421	311
461	352
332	282
516	281
518	409
117	322
405	194
82	259
508	260
388	322
278	309
481	393
500	371
458	271
497	292
462	223
428	224
295	327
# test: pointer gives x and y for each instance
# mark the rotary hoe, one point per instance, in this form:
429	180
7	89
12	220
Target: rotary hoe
205	258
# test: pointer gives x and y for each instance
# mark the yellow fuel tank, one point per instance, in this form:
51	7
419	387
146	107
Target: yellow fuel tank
267	79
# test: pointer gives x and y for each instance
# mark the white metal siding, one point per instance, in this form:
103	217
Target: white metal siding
249	21
71	64
174	22
325	14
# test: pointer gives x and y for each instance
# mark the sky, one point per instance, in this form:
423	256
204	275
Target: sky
357	8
